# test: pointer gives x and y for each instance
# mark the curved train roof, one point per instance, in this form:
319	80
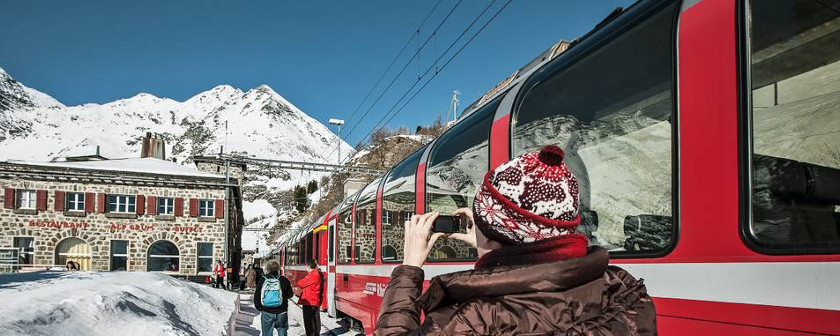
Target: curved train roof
557	56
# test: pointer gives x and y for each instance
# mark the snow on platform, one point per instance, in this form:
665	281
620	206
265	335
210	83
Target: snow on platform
248	320
120	303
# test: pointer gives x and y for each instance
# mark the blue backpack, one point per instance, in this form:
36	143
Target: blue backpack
271	295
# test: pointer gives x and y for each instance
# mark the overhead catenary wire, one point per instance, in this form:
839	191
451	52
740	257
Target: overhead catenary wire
391	84
433	65
437	71
404	47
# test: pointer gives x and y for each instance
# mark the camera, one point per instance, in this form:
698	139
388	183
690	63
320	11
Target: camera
447	224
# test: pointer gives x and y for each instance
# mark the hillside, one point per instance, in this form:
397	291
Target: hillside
260	122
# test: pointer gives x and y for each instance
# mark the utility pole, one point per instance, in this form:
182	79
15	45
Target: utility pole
227	202
339	123
453	108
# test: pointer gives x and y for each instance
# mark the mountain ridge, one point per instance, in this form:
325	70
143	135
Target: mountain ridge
260	122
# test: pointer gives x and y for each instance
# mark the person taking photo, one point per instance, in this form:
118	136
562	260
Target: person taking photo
535	275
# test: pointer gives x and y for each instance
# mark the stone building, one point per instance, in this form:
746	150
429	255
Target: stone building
136	214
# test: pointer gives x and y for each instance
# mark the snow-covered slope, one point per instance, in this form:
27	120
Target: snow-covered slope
119	303
261	123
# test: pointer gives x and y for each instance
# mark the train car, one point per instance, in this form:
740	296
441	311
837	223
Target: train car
308	243
705	135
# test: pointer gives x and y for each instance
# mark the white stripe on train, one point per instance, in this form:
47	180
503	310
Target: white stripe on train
812	285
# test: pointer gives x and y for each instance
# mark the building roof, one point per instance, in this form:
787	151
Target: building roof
146	165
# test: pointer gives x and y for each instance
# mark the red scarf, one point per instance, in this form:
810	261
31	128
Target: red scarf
558	248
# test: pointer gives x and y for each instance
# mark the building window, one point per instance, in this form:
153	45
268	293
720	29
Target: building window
206	208
26	247
795	91
121	203
389	253
163	257
27	199
75	250
205	257
75	202
166	206
386	218
119	255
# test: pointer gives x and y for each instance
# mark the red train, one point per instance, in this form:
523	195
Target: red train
706	138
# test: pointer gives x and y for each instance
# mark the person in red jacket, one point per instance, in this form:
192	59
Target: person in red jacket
219	272
310	299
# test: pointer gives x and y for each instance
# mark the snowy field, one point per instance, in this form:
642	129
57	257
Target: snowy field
123	303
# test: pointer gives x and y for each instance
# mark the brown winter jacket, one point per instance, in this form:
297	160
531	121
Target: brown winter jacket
582	296
251	278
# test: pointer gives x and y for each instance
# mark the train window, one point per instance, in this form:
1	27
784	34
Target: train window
365	231
317	252
292	255
344	226
456	167
301	251
398	205
307	249
795	91
344	230
610	112
330	241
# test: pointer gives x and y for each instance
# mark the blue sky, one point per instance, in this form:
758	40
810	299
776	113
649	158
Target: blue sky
323	56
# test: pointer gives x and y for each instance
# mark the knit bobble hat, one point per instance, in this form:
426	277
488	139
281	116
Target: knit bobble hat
530	198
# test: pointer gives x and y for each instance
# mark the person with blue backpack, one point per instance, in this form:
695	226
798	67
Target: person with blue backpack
271	299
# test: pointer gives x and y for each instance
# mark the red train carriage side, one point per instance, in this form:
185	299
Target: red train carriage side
704	135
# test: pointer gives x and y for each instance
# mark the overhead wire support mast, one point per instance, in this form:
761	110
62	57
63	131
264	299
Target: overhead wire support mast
299	165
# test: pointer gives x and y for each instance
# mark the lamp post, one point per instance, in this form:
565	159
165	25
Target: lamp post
339	123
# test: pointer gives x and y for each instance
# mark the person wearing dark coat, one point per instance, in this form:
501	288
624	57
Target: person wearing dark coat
535	275
272	318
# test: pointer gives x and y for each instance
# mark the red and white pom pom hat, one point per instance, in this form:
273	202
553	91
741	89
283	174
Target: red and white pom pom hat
529	198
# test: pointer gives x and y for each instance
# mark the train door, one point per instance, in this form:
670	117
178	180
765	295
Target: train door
331	310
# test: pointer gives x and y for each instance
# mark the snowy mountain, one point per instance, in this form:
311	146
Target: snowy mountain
261	123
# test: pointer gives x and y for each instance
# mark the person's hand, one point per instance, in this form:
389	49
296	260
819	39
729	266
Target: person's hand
419	238
466	217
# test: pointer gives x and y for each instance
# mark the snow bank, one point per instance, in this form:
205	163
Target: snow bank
124	303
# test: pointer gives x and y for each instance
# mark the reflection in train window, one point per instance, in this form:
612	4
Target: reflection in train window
795	68
610	113
398	205
365	231
456	167
344	230
292	255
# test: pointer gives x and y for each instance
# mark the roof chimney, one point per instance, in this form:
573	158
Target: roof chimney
153	146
